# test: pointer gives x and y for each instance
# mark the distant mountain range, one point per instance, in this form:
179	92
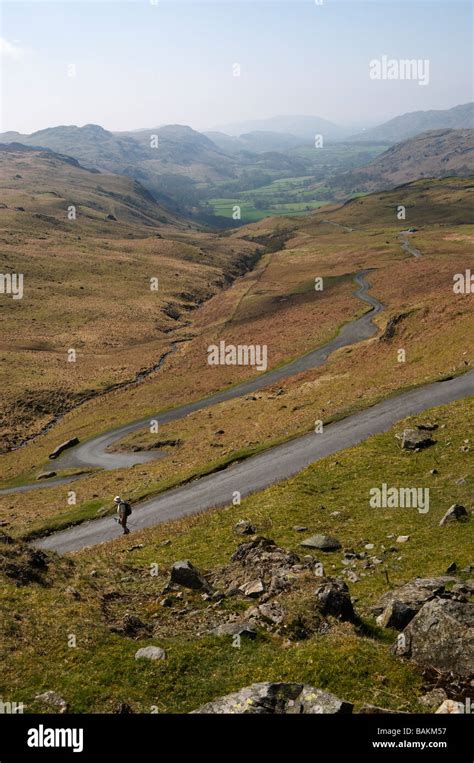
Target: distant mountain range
416	122
433	154
303	127
258	141
182	167
306	127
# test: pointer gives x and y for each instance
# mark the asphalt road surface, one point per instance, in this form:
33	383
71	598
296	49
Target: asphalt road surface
260	471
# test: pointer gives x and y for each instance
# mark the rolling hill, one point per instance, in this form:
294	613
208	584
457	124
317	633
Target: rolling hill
411	124
181	158
88	244
438	153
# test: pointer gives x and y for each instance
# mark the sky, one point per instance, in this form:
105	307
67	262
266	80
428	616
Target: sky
144	63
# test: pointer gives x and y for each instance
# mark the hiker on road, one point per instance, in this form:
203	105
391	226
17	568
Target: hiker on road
123	510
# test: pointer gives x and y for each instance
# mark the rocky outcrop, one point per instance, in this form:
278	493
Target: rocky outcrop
259	568
441	636
397	608
277	699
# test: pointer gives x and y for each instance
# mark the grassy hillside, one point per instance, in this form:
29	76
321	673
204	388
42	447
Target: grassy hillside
437	153
93	595
276	304
87	282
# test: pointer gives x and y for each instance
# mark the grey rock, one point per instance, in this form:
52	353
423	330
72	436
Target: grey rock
322	542
269	613
397	614
333	598
278	699
185	574
254	588
441	635
54	700
243	527
455	513
396	608
150	653
415	438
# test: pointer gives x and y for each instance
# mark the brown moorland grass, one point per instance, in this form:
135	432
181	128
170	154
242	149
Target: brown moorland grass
275	304
87	283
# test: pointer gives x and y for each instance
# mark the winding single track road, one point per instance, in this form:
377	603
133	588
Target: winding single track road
260	471
94	453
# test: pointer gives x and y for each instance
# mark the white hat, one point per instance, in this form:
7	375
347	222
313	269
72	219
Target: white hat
117	499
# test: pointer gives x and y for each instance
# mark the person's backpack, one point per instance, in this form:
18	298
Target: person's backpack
128	508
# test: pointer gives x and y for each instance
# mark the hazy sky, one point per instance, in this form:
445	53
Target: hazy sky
139	64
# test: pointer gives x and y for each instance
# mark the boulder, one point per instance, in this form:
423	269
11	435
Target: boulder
441	636
278	699
150	653
185	574
413	439
243	527
455	513
333	598
396	615
322	542
254	588
54	700
395	609
64	445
